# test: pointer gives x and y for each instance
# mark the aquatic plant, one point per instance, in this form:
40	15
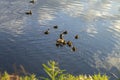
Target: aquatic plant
30	77
52	70
54	73
5	76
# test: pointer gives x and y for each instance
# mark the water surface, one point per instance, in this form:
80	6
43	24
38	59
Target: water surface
97	22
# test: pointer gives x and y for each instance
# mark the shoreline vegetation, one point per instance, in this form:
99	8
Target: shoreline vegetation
54	73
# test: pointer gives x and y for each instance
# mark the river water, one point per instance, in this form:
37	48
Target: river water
23	42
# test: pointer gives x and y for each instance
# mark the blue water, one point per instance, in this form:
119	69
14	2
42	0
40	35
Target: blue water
23	42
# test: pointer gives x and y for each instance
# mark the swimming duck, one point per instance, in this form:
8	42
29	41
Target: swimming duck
73	48
65	32
28	12
57	44
60	41
55	27
76	37
69	43
61	36
32	1
46	32
64	43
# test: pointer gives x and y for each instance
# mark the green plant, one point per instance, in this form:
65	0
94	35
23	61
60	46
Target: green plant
5	76
55	73
52	70
31	77
100	77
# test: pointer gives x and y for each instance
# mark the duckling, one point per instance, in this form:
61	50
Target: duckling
60	41
76	37
28	12
32	1
46	32
61	36
69	43
55	27
73	48
65	32
64	43
57	44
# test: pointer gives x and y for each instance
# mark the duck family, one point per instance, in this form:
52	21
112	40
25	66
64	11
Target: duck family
60	41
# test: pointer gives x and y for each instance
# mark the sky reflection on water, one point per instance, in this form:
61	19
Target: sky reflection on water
96	21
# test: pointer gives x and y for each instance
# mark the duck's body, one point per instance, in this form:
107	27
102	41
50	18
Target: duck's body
65	32
76	37
55	27
60	41
32	1
28	12
73	48
47	32
69	43
61	36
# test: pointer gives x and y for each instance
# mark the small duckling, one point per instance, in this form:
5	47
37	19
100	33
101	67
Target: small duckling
64	43
57	44
46	32
73	48
32	1
55	27
69	43
28	12
61	36
76	37
65	32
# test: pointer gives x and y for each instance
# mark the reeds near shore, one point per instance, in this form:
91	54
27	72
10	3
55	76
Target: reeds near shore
54	73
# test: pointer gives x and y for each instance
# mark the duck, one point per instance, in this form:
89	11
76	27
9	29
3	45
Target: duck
32	1
74	48
76	37
28	12
60	41
64	43
57	44
69	43
46	32
61	36
55	27
65	32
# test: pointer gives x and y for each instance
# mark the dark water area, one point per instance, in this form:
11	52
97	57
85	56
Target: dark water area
23	42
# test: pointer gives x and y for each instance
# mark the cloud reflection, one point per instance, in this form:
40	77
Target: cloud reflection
91	30
113	58
46	14
73	9
11	17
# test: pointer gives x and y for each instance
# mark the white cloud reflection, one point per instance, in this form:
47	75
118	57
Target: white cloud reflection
46	14
113	58
11	19
73	9
91	30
